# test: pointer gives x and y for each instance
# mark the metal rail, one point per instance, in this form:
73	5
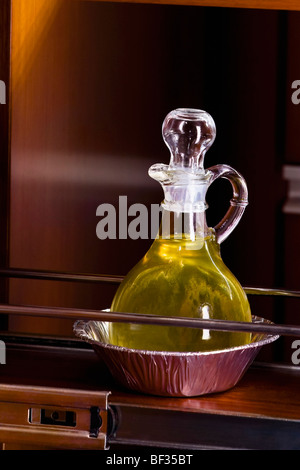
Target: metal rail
101	315
60	276
115	279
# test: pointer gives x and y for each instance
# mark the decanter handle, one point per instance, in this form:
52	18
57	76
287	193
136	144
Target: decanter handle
237	204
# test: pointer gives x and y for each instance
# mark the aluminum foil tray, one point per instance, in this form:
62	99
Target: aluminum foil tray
174	374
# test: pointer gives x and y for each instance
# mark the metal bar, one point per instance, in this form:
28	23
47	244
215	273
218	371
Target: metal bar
103	315
59	276
116	279
100	315
266	291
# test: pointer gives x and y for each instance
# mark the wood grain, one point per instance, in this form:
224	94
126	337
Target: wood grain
69	83
253	4
263	408
265	390
4	145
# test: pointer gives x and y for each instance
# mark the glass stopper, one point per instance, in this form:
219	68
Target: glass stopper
188	133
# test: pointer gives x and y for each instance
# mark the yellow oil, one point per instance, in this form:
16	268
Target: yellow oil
184	278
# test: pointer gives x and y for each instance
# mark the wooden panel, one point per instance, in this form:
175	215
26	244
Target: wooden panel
4	145
75	65
256	4
78	141
292	150
21	403
265	391
291	222
4	125
262	411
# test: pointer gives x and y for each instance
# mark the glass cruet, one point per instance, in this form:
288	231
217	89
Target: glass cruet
183	274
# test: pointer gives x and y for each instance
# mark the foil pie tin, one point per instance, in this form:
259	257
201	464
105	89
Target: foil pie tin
173	374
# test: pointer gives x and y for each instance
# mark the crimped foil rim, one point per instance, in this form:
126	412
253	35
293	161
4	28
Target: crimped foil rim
80	327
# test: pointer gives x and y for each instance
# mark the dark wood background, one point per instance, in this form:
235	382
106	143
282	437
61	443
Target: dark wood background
90	85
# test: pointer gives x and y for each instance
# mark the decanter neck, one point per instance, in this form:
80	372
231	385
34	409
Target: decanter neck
188	133
187	226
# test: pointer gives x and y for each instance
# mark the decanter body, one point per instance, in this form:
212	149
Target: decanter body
183	274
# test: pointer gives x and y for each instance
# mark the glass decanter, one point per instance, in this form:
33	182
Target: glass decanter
183	274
